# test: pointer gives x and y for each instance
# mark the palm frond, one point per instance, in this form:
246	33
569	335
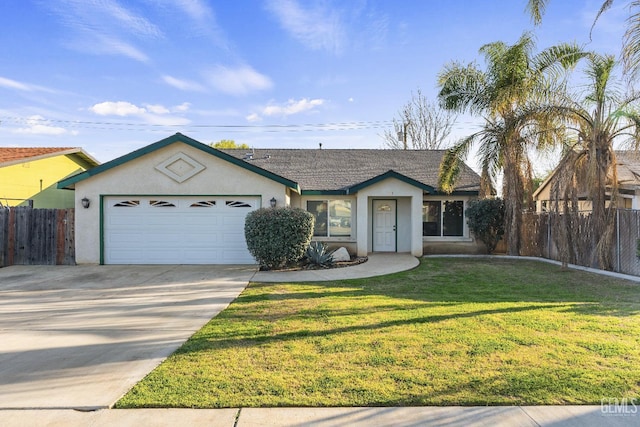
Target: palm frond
536	9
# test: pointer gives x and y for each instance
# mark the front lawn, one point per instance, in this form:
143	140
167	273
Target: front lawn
453	331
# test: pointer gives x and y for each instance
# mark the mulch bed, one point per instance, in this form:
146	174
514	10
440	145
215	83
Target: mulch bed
303	265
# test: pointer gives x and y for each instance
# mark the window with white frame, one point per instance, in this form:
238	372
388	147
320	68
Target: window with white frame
443	218
333	217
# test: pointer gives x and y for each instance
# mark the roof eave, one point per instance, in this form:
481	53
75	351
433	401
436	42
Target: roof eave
70	182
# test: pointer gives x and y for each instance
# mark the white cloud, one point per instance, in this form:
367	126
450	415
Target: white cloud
155	114
38	125
182	107
157	109
238	81
320	28
26	87
182	84
120	108
289	108
292	107
253	117
104	27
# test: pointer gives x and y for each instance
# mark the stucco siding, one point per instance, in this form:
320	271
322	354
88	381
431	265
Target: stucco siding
36	180
409	213
141	177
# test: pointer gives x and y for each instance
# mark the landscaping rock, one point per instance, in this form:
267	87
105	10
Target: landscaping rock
341	255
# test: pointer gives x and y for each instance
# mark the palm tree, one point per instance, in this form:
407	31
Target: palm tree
513	79
631	38
603	116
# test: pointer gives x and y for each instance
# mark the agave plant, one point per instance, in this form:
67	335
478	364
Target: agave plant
317	253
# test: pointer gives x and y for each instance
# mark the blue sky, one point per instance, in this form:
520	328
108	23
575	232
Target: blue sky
112	76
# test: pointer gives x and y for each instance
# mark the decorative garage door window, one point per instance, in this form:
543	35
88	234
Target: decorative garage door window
237	204
127	204
203	204
171	229
161	204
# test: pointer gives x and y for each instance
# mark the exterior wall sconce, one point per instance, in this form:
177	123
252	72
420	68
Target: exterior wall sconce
273	202
85	203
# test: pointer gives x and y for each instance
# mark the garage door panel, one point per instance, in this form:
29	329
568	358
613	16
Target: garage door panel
176	230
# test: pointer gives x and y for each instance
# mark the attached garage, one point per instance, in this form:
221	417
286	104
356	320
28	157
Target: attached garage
176	201
176	229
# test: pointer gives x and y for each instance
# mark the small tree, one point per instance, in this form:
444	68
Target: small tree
278	236
228	143
420	125
486	221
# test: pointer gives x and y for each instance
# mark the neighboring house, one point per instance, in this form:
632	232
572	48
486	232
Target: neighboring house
28	176
179	201
628	169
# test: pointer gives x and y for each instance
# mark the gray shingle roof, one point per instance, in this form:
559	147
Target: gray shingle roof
331	170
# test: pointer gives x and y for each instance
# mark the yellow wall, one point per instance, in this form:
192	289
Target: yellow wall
23	182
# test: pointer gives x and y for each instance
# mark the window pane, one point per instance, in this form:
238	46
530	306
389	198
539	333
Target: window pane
340	218
452	221
431	218
319	211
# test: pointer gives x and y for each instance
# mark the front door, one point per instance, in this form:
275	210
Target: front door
384	225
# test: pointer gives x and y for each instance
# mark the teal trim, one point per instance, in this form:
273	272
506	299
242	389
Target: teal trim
324	192
101	230
391	174
178	137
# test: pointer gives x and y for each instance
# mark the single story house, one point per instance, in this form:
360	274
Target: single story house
628	170
28	176
178	201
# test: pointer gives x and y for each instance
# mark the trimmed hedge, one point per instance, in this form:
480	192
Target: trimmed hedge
278	236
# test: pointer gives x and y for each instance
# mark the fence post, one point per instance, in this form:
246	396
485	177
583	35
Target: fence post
548	235
618	238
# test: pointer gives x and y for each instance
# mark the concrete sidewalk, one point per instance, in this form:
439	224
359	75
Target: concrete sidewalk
451	416
378	264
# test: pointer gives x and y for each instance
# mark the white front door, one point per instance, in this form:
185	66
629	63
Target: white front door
384	225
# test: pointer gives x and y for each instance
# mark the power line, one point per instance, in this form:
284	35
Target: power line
110	125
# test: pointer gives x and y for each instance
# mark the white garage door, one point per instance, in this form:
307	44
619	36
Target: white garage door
176	230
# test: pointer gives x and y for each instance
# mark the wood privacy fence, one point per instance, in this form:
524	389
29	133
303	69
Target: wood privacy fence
36	236
540	236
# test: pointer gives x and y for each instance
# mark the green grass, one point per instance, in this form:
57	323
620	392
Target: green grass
450	332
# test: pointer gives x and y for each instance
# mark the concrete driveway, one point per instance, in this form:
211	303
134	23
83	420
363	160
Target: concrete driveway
79	337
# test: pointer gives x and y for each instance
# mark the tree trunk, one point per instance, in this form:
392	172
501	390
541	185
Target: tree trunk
512	192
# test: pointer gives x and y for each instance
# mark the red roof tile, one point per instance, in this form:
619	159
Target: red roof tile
10	154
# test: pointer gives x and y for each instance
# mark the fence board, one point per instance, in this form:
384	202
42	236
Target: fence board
36	236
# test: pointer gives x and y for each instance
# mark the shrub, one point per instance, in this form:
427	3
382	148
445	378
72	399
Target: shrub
278	236
486	221
317	253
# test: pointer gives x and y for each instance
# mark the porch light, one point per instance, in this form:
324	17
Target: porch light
273	202
85	203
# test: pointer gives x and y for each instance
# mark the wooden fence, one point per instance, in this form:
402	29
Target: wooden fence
36	236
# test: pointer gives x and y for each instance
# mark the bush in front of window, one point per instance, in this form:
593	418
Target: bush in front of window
277	237
486	221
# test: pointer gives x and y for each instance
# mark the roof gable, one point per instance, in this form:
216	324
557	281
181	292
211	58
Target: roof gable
178	137
391	174
345	171
16	155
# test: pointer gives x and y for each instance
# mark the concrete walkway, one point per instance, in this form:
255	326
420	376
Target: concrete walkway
377	265
611	413
450	416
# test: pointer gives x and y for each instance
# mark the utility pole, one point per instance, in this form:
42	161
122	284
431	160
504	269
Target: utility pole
402	135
